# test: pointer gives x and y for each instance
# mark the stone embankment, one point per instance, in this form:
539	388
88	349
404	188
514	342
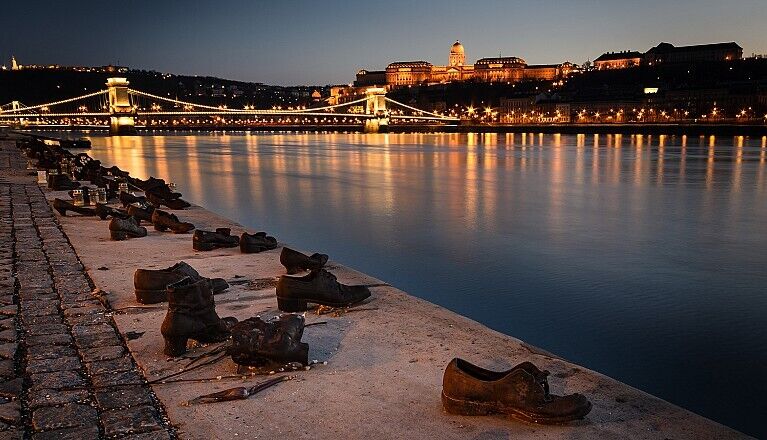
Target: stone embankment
67	318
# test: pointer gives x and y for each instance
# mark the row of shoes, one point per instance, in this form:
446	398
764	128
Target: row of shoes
467	389
81	167
191	309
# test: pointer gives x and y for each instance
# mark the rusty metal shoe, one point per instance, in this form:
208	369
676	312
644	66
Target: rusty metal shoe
521	392
62	206
128	199
163	221
122	229
150	285
207	240
61	182
258	242
103	211
174	204
256	343
318	287
191	315
140	213
296	262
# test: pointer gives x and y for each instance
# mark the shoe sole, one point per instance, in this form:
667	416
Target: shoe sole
210	246
472	408
122	235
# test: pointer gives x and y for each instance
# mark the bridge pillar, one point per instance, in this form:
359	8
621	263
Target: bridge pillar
16	105
121	113
376	106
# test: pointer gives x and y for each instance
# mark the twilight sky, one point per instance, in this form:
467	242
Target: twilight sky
326	42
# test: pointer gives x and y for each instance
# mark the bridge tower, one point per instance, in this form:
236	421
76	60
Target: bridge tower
121	112
16	105
376	106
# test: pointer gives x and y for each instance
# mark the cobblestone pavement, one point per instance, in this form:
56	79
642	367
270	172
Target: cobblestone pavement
65	372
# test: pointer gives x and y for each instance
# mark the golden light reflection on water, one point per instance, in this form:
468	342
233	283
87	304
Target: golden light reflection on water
471	178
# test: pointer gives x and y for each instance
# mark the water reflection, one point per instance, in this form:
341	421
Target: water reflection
639	256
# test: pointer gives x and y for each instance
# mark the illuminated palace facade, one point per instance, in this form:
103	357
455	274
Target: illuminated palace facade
501	69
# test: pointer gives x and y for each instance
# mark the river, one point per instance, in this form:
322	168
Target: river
641	257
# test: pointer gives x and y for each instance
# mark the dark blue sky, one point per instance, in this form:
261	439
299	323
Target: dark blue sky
326	42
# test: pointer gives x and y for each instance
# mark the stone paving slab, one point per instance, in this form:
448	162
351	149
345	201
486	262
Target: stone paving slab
54	331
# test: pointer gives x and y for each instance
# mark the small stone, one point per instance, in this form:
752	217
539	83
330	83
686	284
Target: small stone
46	329
11	388
97	339
159	434
124	397
55	364
10	412
8	351
121	378
129	421
64	416
102	353
8	335
37	352
46	397
76	433
57	339
112	365
57	380
7	368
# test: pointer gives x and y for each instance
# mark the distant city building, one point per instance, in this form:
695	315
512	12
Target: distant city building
501	69
373	78
103	69
668	53
618	60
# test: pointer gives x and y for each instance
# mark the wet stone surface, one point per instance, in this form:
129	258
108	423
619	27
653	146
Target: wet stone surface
81	382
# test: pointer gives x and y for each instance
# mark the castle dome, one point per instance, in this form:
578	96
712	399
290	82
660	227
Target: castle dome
457	48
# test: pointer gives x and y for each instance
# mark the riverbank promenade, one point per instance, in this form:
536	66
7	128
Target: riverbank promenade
80	358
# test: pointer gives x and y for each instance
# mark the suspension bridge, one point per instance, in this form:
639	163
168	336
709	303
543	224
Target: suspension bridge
122	110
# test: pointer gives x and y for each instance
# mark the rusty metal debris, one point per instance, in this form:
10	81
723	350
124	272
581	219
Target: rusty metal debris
238	393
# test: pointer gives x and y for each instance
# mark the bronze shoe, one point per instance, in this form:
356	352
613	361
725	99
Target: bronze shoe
295	261
163	221
121	229
521	392
318	287
150	284
257	343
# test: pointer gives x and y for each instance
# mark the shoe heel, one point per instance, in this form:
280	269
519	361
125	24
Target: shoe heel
118	235
464	407
294	270
160	228
175	345
291	305
62	211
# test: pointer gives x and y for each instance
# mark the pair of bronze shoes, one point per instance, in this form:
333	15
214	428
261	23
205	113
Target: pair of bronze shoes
223	238
318	286
521	392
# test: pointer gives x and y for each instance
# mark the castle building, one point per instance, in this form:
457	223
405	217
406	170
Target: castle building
618	60
501	69
667	53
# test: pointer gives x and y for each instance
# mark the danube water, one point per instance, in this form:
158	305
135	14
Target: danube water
641	257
